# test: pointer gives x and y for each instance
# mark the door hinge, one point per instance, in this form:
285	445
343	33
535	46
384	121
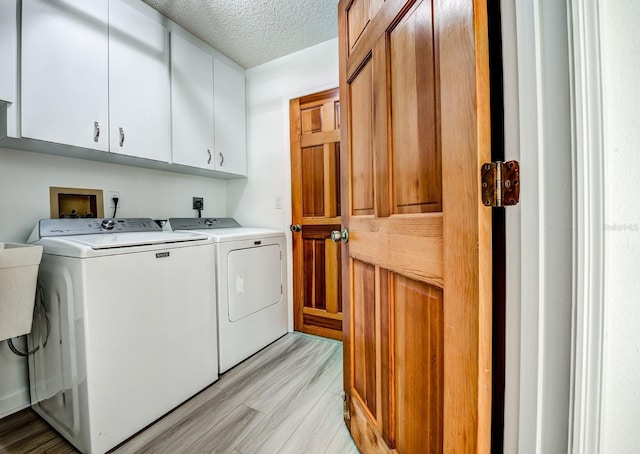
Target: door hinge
346	413
500	183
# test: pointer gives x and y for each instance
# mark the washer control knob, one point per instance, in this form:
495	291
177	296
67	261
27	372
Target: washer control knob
208	222
108	224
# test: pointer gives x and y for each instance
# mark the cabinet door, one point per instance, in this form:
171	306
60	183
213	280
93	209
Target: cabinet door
230	118
139	90
8	51
192	104
64	72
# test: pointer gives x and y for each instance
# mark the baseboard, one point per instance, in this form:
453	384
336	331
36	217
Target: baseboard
14	402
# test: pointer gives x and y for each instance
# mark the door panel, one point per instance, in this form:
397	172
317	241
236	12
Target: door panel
313	181
417	267
416	155
361	162
364	322
315	174
419	325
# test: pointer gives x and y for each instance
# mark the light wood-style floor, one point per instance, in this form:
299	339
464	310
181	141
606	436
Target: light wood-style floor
285	399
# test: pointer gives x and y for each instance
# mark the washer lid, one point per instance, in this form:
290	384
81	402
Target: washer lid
119	240
118	243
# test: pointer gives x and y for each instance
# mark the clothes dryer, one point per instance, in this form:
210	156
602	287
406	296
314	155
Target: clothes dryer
250	285
129	331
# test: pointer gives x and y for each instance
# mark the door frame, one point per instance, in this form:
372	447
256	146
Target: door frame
585	433
539	268
528	90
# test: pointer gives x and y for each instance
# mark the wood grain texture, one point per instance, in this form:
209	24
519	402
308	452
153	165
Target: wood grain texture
416	155
331	186
319	138
414	87
342	443
361	147
306	418
332	277
274	430
345	196
357	18
26	432
313	181
419	366
407	244
315	152
323	322
364	326
465	117
387	357
367	436
314	434
295	131
311	119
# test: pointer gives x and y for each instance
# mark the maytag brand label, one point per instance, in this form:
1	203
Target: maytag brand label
160	255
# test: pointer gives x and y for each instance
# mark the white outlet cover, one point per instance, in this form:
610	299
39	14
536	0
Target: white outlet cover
110	197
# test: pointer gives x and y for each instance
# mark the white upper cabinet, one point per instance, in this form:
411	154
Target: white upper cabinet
8	51
64	72
230	118
191	104
117	76
139	87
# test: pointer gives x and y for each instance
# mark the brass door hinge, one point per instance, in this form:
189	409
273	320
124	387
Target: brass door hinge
500	183
346	412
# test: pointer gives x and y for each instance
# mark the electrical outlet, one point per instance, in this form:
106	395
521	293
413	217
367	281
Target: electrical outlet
278	203
198	203
115	194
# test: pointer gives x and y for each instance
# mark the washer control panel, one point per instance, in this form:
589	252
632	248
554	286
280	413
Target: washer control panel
202	223
65	227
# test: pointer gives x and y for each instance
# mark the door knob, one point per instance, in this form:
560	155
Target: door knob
295	228
338	236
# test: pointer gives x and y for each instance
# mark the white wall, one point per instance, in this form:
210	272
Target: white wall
269	88
620	45
25	179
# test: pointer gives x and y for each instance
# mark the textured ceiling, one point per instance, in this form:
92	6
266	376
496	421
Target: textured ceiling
252	32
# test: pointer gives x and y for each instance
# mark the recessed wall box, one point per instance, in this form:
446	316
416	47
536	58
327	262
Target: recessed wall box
76	203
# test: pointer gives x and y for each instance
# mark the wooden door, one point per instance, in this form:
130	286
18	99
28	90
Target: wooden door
417	267
315	174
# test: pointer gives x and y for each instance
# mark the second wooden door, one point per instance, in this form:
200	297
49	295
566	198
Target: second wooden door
315	173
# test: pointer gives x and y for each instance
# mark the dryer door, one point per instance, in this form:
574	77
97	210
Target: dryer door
254	280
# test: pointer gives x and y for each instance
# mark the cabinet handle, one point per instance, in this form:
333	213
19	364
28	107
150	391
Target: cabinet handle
221	159
121	136
209	160
96	131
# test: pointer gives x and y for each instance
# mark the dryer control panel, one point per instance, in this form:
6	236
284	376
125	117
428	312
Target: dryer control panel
202	223
65	227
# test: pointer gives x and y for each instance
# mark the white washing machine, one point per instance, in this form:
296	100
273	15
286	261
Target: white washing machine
129	331
250	285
